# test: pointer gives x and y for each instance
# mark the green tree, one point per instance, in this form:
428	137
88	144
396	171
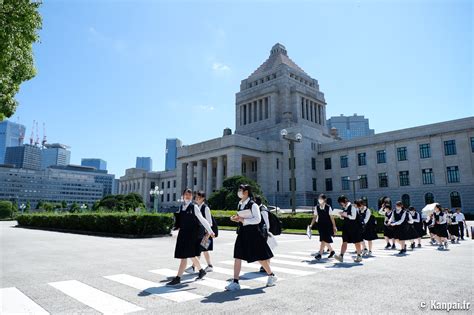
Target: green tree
6	209
226	198
19	24
74	207
39	205
28	207
64	204
48	206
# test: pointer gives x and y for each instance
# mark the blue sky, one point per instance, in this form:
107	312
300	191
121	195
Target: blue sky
116	78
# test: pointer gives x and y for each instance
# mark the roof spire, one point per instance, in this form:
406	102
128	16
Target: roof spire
278	49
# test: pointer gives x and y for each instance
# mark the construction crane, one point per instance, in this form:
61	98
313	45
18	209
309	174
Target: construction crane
32	133
37	135
44	135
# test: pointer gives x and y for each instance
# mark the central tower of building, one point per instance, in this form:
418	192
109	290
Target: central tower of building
279	94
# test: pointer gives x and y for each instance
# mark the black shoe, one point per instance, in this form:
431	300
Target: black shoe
318	257
175	281
393	246
419	245
201	274
388	246
403	251
262	269
331	255
412	245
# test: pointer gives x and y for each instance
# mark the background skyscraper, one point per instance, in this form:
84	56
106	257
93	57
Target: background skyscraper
55	154
11	135
350	127
144	163
172	146
99	164
26	156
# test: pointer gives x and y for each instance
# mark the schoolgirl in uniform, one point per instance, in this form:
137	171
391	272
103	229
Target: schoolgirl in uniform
453	228
326	226
399	220
441	227
417	224
351	229
386	211
412	234
429	225
191	231
200	199
250	244
369	224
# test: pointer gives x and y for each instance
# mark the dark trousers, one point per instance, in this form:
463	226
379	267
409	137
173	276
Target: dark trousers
461	227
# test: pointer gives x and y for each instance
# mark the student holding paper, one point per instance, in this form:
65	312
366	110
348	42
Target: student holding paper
326	226
250	244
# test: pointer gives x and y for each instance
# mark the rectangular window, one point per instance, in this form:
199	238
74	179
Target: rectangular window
425	151
302	107
244	167
291	164
168	184
363	183
472	144
453	174
404	178
450	147
427	176
383	180
245	114
381	157
152	185
162	198
328	184
313	163
267	100
255	117
327	163
345	183
278	185
260	109
311	110
168	197
174	196
162	185
290	184
361	159
344	161
250	112
174	184
402	153
314	184
278	164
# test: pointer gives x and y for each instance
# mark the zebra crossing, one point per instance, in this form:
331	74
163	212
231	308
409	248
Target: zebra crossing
153	283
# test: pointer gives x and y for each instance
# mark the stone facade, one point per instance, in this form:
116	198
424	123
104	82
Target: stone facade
280	95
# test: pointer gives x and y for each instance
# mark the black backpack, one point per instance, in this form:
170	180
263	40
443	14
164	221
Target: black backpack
275	223
215	227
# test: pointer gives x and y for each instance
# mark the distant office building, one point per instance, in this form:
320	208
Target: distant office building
144	163
350	127
172	146
99	164
11	135
55	154
100	176
49	185
25	156
115	187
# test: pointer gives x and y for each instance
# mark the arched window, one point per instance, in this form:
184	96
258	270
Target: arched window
429	198
406	200
455	199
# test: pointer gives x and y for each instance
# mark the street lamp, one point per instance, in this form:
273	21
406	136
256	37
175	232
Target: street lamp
156	193
354	186
83	207
291	140
22	207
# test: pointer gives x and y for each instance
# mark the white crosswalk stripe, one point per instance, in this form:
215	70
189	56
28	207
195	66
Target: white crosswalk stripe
206	281
281	269
154	288
94	298
304	258
286	262
13	301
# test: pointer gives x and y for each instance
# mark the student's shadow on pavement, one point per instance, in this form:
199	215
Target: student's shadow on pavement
229	296
165	289
344	265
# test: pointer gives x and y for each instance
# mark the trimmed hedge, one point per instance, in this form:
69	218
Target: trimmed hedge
6	209
130	224
289	221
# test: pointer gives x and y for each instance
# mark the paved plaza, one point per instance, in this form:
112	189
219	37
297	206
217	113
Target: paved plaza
59	273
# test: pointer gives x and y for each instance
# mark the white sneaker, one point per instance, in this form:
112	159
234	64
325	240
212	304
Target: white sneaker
446	245
271	281
365	252
190	270
339	258
232	286
358	259
208	269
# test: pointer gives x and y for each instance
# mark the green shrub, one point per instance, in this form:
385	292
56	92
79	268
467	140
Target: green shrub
102	222
6	209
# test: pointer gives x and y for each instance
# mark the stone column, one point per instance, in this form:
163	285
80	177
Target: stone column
199	175
220	171
190	175
234	164
209	177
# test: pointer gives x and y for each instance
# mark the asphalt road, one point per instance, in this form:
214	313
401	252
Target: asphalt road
60	273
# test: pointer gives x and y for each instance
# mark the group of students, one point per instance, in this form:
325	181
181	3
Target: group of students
197	228
195	224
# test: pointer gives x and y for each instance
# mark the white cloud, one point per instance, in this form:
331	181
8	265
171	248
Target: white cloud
206	108
217	66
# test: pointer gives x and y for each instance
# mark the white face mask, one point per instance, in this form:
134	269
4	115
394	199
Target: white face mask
321	201
240	194
187	201
398	209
